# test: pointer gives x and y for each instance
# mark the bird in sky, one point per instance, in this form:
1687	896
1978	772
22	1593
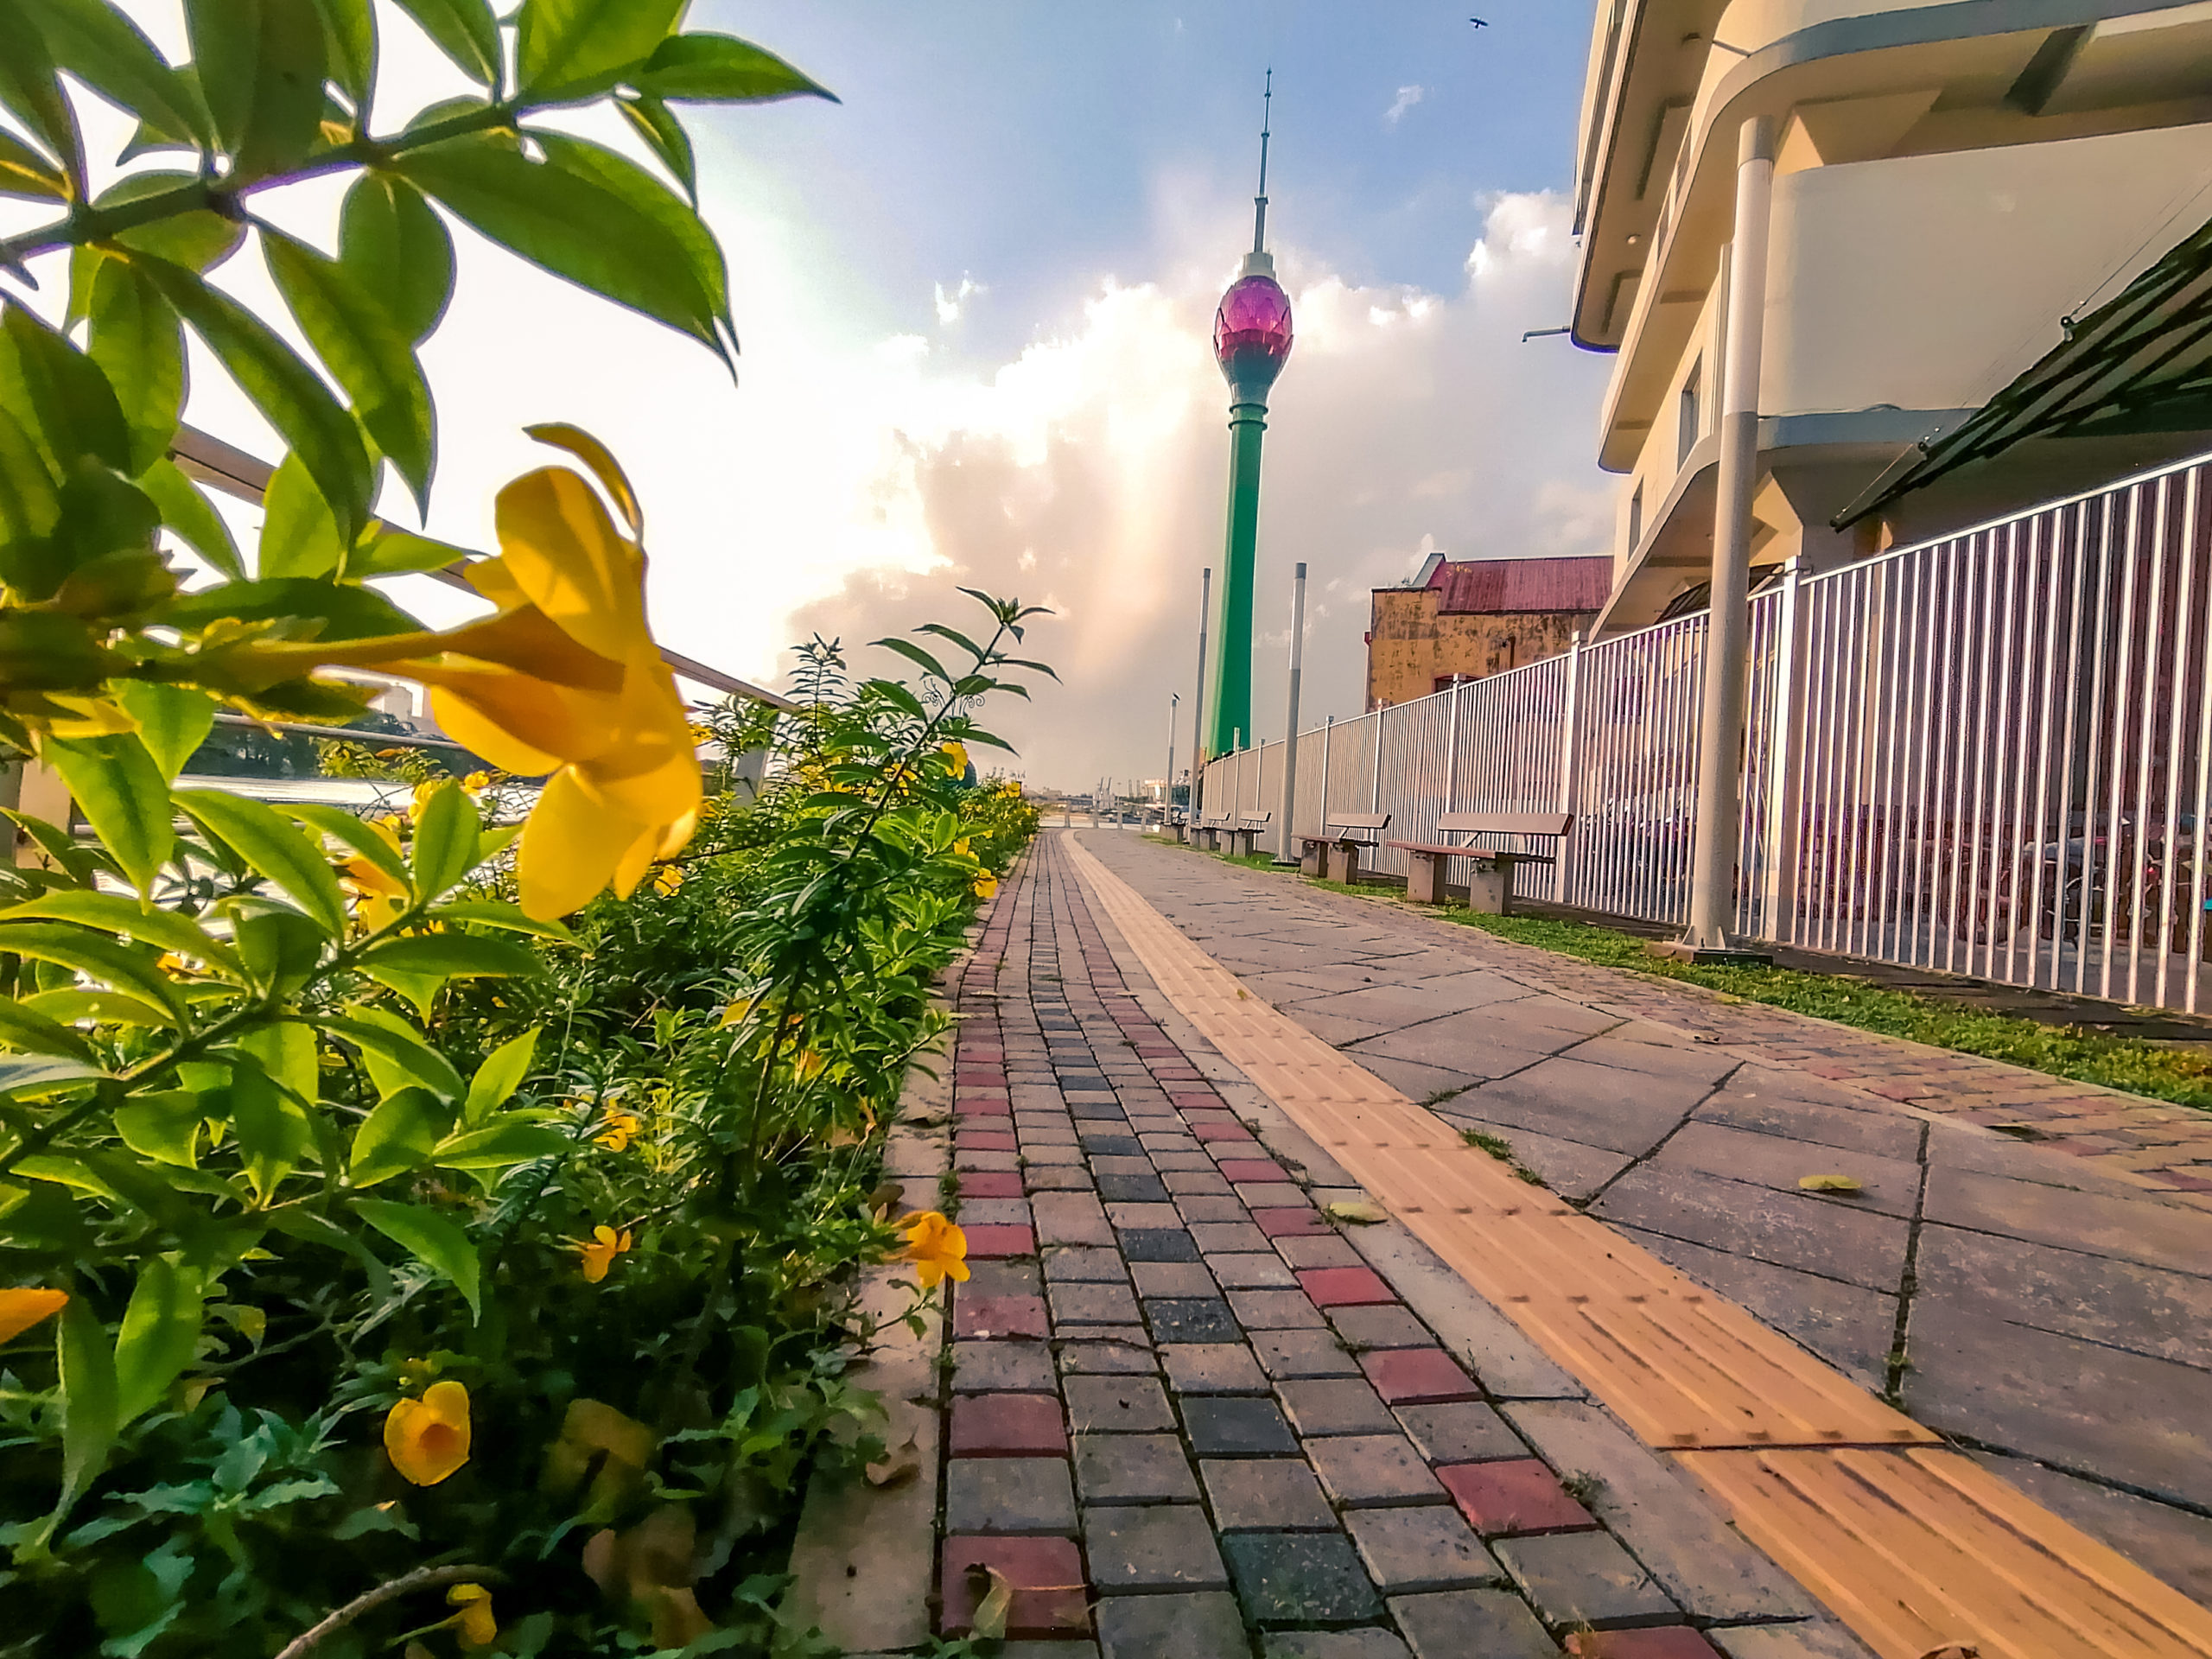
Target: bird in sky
1479	22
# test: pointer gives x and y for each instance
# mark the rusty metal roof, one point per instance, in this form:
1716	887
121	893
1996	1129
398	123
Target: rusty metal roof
1489	587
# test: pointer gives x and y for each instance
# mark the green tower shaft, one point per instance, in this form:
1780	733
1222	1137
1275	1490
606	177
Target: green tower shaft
1231	671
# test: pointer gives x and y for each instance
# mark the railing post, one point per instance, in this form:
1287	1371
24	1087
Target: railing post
1290	721
1374	789
1199	757
1328	726
1570	763
1452	749
1785	764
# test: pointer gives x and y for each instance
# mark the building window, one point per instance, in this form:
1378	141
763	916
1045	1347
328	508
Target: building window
1686	428
1636	517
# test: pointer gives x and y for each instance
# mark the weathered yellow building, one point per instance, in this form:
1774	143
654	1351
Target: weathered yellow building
1483	616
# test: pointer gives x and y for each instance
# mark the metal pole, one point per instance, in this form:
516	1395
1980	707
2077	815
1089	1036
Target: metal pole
1328	728
1290	720
1452	750
1375	787
1198	702
1785	764
1570	764
1712	864
1168	798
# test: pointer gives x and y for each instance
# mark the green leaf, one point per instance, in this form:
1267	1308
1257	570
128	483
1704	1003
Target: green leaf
350	831
138	344
397	247
571	49
31	91
345	611
71	408
30	510
199	238
34	1033
655	122
43	1076
499	1145
722	69
103	49
261	65
282	949
448	955
355	335
398	1136
284	389
445	841
185	513
161	1327
285	1049
131	918
174	720
164	1126
385	552
273	1132
89	1412
124	796
498	1078
128	968
494	912
274	849
573	226
104	1007
436	1242
349	33
626	180
465	31
26	175
396	1055
299	535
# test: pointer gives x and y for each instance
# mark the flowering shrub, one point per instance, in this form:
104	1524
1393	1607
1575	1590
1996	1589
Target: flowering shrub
424	1232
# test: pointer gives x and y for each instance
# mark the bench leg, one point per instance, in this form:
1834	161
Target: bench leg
1490	886
1425	879
1344	863
1309	860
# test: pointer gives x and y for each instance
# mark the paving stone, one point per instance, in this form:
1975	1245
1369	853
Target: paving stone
1361	1470
1001	1279
1006	1426
1305	1250
1278	1493
1133	1469
1274	1198
1106	1358
1368	1643
1275	1310
1287	1220
1212	1367
1222	1237
1152	1547
1512	1495
1335	1406
1085	1263
1243	1170
1148	1216
1463	1624
1174	1278
1128	1188
1070	1218
1159	1244
1811	1639
981	1367
1211	1207
1009	1495
1075	1302
1415	1376
1379	1327
1118	1405
1192	1183
1067	1157
987	1240
1046	1574
1583	1577
986	1162
1191	1319
1181	1163
1302	1353
1346	1287
1138	1165
1427	1547
998	1316
1115	1140
1205	1624
1299	1577
1665	1641
1236	1426
985	1184
1460	1431
1255	1272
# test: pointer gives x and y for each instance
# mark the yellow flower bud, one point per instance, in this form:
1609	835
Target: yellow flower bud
428	1439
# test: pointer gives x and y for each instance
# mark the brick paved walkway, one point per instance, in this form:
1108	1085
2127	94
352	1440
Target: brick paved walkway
1189	1419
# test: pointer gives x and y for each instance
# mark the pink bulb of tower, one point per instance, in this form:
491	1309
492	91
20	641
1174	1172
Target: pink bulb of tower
1255	315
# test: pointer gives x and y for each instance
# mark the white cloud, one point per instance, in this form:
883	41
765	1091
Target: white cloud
950	305
1406	97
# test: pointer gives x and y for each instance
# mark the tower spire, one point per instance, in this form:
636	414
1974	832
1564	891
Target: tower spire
1260	202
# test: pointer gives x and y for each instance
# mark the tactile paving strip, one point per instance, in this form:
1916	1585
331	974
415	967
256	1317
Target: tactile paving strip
1682	1367
1921	1548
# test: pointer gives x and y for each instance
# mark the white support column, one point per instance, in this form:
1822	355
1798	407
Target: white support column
1570	765
1452	750
1786	760
1198	756
1284	842
1375	788
1721	729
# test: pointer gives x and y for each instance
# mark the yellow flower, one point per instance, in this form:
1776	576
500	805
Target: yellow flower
669	879
936	1247
428	1439
420	800
599	1250
477	782
22	1308
961	846
379	896
985	885
808	1066
956	757
474	1623
621	1127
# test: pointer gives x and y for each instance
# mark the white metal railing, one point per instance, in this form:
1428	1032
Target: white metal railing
1989	754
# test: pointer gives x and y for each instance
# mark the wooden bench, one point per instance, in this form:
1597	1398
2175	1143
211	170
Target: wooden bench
1248	830
1490	882
1340	841
1208	831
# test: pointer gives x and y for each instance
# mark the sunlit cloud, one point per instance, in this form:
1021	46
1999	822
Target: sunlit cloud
1406	97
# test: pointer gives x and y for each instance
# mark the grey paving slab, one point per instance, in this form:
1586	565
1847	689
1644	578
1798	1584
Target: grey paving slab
1237	1426
1133	1469
1851	1327
1105	1357
1256	1492
1076	1302
1459	1431
1463	1623
1335	1405
1571	1168
1481	1044
1381	1326
1396	1006
1583	1578
1598	1105
1422	1083
984	1367
1212	1367
1152	1547
1256	1271
1302	1353
1368	1643
1181	1320
1133	1405
2171	1543
1174	1278
1776	1102
1427	1547
1362	1470
1891	1185
1009	1495
1809	1639
1200	1624
1275	1310
1790	1230
2135	1229
2101	1298
1299	1577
